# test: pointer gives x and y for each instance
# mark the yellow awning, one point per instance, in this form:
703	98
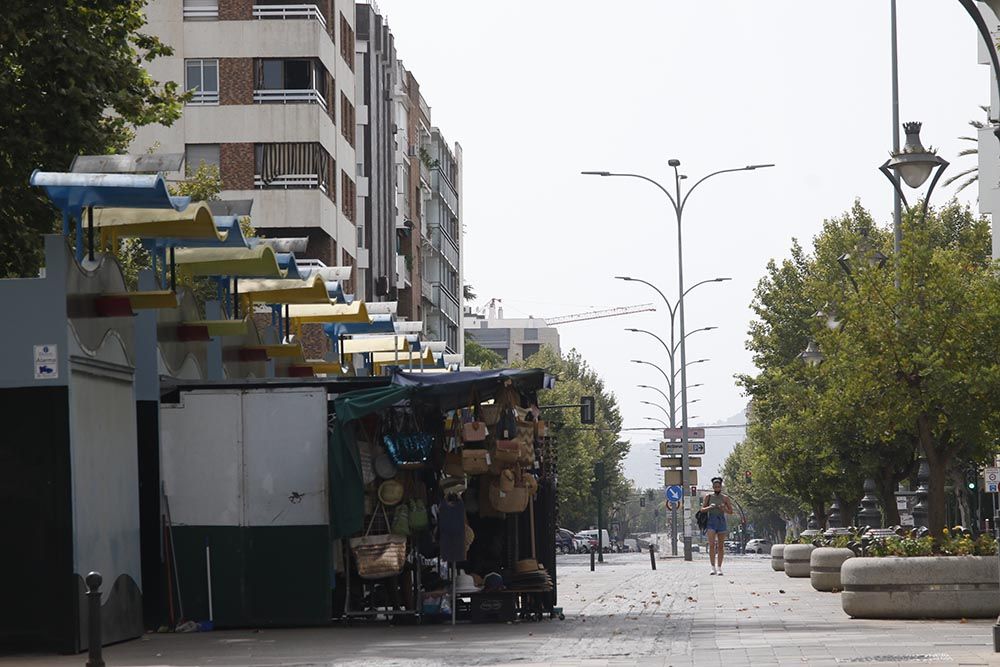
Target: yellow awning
259	262
194	222
284	351
285	290
324	367
379	344
354	313
152	300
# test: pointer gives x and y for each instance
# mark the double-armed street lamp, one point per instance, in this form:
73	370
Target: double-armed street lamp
678	201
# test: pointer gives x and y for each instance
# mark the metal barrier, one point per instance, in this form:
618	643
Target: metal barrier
284	12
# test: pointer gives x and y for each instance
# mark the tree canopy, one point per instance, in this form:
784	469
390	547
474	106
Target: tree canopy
73	82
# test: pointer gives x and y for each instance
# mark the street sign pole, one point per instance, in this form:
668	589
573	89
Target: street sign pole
673	531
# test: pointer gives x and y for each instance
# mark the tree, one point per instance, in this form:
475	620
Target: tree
73	82
973	171
477	355
579	446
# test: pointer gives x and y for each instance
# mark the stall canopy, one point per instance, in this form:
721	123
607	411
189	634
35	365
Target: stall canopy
448	391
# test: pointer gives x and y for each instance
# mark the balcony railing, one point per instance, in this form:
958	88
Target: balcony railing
294	96
427	290
204	97
284	12
290	181
204	13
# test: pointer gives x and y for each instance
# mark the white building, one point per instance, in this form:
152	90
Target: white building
989	146
273	108
512	339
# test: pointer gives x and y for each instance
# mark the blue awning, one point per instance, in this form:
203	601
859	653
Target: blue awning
71	193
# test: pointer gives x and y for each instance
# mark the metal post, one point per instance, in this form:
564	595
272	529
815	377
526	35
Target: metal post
673	531
591	560
897	227
834	519
94	656
869	515
652	556
920	508
685	469
90	233
996	528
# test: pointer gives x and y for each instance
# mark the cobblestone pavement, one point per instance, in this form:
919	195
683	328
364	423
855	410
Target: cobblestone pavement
622	614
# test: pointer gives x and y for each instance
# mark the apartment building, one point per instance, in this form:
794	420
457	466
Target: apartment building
274	106
381	266
514	339
989	149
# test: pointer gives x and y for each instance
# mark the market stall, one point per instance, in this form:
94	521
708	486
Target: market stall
441	494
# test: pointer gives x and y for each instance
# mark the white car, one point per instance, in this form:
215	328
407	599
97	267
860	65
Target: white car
757	546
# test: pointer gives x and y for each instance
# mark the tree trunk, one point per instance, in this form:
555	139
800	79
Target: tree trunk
937	461
961	498
885	489
819	511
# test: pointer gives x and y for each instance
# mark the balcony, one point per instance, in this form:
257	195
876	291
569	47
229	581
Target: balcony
286	12
290	181
204	98
294	96
403	279
427	290
201	11
444	245
446	303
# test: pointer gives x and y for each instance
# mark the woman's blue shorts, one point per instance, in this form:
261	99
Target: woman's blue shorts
717	523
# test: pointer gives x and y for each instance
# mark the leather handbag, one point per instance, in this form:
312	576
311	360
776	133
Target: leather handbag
507	451
475	461
454	464
474	431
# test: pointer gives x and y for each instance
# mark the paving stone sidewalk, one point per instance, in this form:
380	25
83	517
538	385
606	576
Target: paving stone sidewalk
622	614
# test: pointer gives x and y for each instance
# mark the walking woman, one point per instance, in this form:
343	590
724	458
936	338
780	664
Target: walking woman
717	505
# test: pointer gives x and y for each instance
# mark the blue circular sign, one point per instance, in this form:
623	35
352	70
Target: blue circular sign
675	493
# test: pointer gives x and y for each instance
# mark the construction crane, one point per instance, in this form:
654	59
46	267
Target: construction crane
598	314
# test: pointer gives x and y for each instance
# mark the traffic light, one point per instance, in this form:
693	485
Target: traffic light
642	501
694	490
971	479
587	410
748	477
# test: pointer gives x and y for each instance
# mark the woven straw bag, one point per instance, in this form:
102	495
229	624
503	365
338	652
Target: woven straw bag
475	461
379	556
514	501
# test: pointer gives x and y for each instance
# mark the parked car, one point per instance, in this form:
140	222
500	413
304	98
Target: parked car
564	541
732	546
585	543
630	545
592	534
759	546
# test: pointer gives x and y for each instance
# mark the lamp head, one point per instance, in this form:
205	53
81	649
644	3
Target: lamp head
673	162
720	280
595	173
914	163
751	167
624	278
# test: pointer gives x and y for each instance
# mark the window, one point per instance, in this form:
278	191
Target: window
347	119
348	194
201	10
196	154
291	80
202	76
347	42
530	350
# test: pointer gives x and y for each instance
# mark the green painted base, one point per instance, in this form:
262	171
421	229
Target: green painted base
261	576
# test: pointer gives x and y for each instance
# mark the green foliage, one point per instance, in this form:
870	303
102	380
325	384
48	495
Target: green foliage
906	368
579	446
766	510
73	81
201	184
477	355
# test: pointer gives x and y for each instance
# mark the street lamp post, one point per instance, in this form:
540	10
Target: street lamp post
679	201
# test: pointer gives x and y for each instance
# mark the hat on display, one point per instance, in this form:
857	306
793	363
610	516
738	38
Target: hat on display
464	583
384	467
493	582
390	492
452	486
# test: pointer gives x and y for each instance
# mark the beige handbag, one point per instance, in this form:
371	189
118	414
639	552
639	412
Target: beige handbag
475	461
379	556
507	451
473	431
514	501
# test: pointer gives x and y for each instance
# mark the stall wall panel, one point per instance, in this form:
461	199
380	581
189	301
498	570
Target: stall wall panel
201	439
105	491
284	447
36	518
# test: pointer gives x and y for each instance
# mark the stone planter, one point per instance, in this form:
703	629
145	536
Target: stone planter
921	587
824	567
778	557
797	559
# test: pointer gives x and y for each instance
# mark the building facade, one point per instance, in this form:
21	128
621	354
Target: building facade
273	107
988	148
512	339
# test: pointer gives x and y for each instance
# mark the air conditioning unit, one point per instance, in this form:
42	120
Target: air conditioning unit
412	151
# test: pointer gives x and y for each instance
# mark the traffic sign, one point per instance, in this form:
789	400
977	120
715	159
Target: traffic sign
672	505
992	478
678	433
674	448
674	493
672	477
675	462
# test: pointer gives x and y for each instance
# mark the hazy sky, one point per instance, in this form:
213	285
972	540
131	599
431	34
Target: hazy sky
538	91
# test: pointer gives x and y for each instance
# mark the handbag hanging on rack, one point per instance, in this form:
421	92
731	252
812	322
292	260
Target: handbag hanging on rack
379	556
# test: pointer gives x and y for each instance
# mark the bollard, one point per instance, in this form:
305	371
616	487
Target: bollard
94	656
591	560
652	556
